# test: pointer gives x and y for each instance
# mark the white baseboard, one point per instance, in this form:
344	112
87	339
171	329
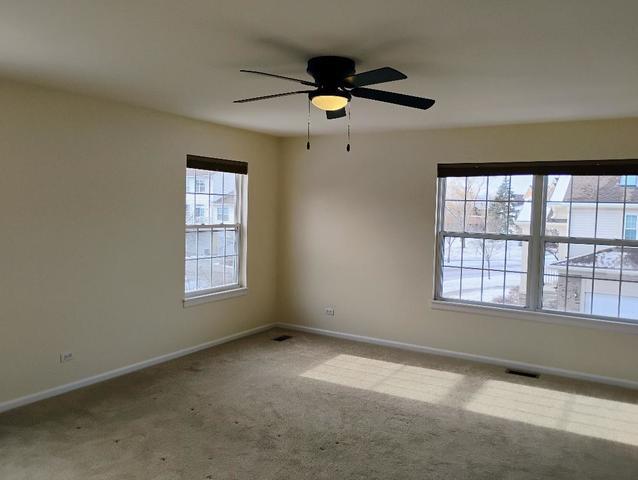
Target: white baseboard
619	382
52	392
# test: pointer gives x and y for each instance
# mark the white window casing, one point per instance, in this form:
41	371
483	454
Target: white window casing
215	233
603	244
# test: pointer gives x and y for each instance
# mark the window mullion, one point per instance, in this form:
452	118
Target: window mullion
593	241
440	219
463	240
487	236
622	247
535	257
507	229
240	185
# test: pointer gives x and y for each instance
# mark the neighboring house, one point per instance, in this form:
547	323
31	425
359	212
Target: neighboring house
600	296
608	223
611	220
207	209
219	212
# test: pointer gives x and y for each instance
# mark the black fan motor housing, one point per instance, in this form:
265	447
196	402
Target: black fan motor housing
330	71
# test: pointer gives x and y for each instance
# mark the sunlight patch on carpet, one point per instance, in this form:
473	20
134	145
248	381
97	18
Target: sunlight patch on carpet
414	383
580	414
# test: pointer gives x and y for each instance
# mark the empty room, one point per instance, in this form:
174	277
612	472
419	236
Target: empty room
285	239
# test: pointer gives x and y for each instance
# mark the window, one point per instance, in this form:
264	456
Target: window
485	236
200	185
628	180
222	214
201	213
214	225
540	241
630	227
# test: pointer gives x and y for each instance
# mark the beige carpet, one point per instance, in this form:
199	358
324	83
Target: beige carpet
320	408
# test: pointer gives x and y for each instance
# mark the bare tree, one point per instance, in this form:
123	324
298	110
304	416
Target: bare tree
454	212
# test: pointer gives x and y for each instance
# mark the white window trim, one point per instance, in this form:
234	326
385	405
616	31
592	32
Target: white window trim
198	297
533	309
229	291
543	316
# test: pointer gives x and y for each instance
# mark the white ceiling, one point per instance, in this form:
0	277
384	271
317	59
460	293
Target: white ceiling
483	61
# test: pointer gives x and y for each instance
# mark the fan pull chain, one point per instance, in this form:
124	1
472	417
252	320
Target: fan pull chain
308	137
348	146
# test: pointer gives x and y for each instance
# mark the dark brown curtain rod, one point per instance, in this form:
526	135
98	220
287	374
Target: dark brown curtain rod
216	164
566	167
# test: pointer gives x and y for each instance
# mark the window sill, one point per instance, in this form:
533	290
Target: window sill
214	296
544	317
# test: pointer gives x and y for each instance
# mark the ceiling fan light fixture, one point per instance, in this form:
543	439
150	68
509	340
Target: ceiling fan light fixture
329	100
336	83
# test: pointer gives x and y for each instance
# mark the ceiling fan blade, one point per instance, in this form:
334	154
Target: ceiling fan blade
372	77
391	97
254	99
303	82
330	114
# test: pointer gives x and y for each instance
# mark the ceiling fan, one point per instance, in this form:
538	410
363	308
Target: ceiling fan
335	83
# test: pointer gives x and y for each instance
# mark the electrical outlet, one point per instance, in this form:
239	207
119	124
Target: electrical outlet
330	311
66	357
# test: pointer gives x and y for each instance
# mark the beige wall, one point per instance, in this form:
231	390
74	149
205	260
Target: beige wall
92	239
91	208
358	232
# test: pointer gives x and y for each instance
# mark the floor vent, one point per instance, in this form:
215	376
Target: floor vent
281	338
521	373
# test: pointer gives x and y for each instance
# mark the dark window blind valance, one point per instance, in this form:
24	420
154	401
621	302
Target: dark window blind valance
563	167
216	164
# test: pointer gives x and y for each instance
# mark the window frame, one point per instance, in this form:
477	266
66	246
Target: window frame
533	308
239	226
441	234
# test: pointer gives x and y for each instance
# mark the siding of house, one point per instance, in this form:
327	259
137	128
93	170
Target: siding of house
583	220
608	223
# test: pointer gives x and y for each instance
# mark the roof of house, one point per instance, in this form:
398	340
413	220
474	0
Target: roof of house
578	188
608	259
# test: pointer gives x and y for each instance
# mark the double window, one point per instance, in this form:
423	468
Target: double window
540	237
214	225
